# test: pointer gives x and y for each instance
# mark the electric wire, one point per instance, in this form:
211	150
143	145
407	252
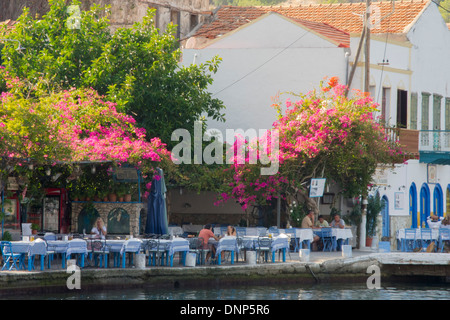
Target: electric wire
260	66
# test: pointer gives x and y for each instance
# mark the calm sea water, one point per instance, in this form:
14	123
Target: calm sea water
298	292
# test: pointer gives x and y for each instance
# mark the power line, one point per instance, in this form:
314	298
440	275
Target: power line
260	66
439	5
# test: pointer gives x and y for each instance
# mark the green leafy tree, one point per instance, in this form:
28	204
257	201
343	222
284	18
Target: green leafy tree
136	67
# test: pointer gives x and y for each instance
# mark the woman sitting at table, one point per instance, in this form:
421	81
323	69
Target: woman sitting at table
99	229
231	231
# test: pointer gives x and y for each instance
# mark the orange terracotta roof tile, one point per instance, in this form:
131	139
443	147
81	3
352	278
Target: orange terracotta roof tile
346	17
341	38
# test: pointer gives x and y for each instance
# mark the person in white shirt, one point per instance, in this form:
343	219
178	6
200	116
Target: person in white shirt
338	222
434	222
99	229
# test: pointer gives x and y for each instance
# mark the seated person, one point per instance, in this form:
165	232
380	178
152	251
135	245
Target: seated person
322	223
206	233
231	231
308	222
99	229
338	222
434	222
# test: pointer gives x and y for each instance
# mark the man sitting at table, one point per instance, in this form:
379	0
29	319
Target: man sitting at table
308	222
338	222
322	223
206	233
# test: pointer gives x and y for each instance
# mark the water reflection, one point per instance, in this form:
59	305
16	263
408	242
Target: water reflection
282	292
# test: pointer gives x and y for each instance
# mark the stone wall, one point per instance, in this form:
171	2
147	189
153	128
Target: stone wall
184	13
105	208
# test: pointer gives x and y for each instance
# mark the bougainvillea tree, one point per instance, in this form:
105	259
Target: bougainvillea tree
71	126
136	67
321	135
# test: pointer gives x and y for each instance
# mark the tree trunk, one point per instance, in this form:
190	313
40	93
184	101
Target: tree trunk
311	203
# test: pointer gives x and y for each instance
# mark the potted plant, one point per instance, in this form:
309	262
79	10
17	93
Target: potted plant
121	191
374	207
128	192
34	227
112	196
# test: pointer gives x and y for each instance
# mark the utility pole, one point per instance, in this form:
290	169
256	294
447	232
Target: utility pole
367	49
362	237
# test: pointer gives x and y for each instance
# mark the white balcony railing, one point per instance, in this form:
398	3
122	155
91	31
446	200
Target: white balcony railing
434	141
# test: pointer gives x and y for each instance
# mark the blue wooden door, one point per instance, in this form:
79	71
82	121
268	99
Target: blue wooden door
438	201
424	205
413	205
385	217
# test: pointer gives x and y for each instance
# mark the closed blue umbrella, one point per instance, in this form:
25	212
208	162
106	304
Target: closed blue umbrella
157	213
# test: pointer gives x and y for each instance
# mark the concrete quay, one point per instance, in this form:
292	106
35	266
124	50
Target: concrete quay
322	267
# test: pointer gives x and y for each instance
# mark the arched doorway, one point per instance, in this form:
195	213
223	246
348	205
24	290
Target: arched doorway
424	205
386	231
438	201
413	205
86	219
118	221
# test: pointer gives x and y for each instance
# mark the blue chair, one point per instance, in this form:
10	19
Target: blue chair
426	237
444	235
327	239
195	246
9	256
408	243
99	252
241	231
294	241
131	247
274	231
49	236
152	249
204	251
38	248
263	247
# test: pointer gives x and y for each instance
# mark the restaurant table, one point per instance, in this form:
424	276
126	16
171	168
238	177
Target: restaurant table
242	231
172	246
434	234
300	235
418	236
280	242
23	248
68	247
227	243
343	234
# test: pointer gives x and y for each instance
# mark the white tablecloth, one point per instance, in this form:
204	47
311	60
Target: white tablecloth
278	242
301	233
339	233
227	243
418	235
175	245
68	247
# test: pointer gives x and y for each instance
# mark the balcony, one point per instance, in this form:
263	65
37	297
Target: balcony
408	139
434	146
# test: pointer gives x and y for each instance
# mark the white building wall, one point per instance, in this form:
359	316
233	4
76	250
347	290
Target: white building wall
425	68
258	64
